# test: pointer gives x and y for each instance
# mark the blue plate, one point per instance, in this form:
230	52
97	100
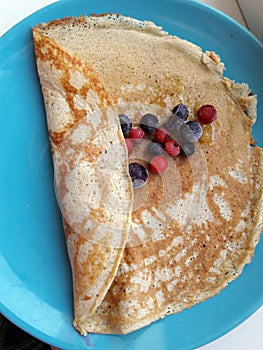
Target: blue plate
35	277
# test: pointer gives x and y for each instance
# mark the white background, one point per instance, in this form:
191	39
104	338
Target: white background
249	13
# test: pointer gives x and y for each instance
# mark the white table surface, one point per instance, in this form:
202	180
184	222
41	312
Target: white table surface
248	335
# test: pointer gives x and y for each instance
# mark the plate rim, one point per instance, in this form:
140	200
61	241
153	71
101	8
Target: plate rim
12	31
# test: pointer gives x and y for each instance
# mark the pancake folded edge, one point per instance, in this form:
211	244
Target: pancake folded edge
72	92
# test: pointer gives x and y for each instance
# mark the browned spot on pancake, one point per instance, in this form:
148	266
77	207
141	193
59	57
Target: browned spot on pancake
48	51
84	90
57	137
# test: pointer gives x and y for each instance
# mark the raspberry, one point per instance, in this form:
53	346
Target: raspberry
172	148
207	114
158	164
137	134
129	145
161	135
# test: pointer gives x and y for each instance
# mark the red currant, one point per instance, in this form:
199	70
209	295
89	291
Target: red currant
129	145
136	133
172	148
158	164
161	135
207	114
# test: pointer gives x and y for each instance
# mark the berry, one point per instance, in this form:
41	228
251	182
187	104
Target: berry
136	133
138	174
129	145
158	164
172	148
181	111
207	114
187	149
155	148
149	122
174	123
191	131
126	124
161	135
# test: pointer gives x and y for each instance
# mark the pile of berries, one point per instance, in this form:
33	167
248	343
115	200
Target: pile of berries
175	137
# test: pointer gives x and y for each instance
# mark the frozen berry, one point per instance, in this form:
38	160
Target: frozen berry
149	122
191	131
138	174
181	111
158	164
126	124
207	114
188	149
136	133
129	145
174	123
172	148
161	135
155	148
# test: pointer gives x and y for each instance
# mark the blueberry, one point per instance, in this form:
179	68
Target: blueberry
155	148
191	131
174	123
187	149
181	111
126	124
149	122
138	174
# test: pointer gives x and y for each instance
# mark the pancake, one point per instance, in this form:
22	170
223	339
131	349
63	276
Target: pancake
94	264
187	233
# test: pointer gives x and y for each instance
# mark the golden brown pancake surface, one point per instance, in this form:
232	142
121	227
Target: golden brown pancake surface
196	226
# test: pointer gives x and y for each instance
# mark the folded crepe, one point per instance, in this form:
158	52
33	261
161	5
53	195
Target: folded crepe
84	189
139	255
